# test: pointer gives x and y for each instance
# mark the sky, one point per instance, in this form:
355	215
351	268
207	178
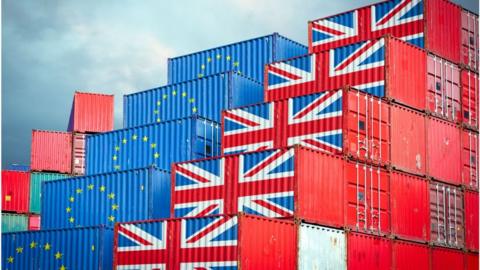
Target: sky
52	48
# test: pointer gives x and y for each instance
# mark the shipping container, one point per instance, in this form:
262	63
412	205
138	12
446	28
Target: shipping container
36	180
471	220
368	252
443	151
470	95
247	57
470	159
446	259
409	255
78	154
114	197
79	248
206	97
15	191
471	261
14	222
285	183
51	151
410	214
436	25
18	167
91	112
378	67
447	223
155	144
33	222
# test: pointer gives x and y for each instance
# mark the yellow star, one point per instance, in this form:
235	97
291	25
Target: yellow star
124	141
79	191
155	111
114	157
239	72
236	63
69	209
145	138
71	220
134	137
62	267
90	187
58	255
142	187
93	247
174	93
114	207
111	196
200	75
153	145
194	109
19	249
117	148
156	155
209	59
158	103
191	100
116	167
202	66
102	188
72	199
228	57
47	246
10	259
158	120
33	244
219	56
111	218
165	96
184	94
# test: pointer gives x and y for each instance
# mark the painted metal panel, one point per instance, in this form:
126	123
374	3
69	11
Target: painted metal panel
14	222
447	223
78	161
471	261
79	248
18	167
368	252
471	220
377	67
36	180
15	191
155	144
117	197
470	158
469	38
470	96
51	151
443	151
446	259
409	255
34	222
91	112
247	57
410	217
321	248
206	96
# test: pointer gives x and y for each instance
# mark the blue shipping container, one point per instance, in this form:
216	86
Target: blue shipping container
104	199
248	57
206	97
20	167
80	248
155	144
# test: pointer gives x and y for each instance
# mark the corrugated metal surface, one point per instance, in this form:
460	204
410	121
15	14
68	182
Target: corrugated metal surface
470	159
446	259
15	191
80	248
408	255
471	220
447	227
469	38
443	151
469	83
247	57
471	261
368	252
206	97
33	222
14	222
443	88
78	161
321	248
156	144
36	180
91	113
410	217
408	138
18	167
51	151
376	66
117	197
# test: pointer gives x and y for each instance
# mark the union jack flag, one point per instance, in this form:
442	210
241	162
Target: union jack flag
258	183
400	18
314	121
170	244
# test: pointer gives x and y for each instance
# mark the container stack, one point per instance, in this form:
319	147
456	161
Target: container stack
361	154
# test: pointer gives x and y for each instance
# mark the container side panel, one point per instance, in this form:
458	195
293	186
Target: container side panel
36	180
91	113
243	92
407	255
471	261
15	191
51	151
79	142
470	92
446	259
34	222
470	159
368	252
471	220
469	50
286	48
14	222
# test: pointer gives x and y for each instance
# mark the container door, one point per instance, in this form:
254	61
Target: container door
469	50
470	159
207	138
78	166
469	83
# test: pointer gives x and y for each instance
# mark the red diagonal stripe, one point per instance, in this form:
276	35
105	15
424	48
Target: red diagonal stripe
393	12
134	236
206	211
191	174
313	105
265	163
321	146
317	126
282	72
354	56
272	208
239	119
209	229
249	137
327	29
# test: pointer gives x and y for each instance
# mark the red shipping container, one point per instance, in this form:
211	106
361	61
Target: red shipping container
410	217
431	24
471	261
447	212
469	36
285	183
79	142
470	159
15	191
34	223
443	151
368	252
446	259
51	151
471	220
469	84
235	241
91	113
409	255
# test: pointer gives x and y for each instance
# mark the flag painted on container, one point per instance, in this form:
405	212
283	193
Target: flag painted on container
260	183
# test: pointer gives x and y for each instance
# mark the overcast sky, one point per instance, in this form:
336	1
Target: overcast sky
52	48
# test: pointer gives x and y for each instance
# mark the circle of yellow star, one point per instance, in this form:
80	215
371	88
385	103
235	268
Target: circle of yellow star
90	187
71	219
79	190
62	267
102	188
209	59
117	148
33	244
114	157
191	100
10	259
117	167
69	209
47	246
228	57
134	137
158	120
114	207
202	66
156	155
219	56
124	141
58	255
153	145
72	199
93	247
200	75
111	218
145	138
236	63
155	111
165	96
19	249
184	94
158	103
174	93
111	196
194	109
